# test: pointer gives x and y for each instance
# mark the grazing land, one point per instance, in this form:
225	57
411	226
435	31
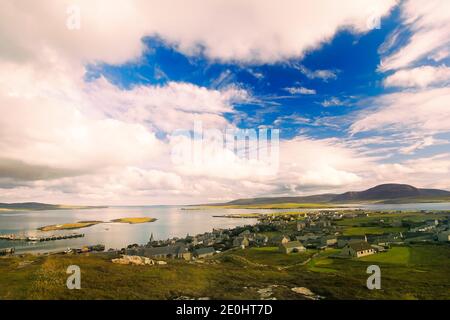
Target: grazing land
397	255
413	272
360	231
391	217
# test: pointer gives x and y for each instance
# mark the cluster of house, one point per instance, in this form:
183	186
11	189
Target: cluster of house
86	249
430	230
317	231
190	247
21	237
207	244
201	245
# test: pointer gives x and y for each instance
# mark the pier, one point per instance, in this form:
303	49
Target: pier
7	251
15	237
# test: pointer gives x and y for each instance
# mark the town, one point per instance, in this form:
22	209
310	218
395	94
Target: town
297	232
291	232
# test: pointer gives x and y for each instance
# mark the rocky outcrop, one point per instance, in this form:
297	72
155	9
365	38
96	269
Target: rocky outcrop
137	260
306	293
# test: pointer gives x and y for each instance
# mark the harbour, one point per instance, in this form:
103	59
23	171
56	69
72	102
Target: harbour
17	237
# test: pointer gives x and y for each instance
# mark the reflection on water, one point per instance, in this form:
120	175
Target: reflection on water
172	222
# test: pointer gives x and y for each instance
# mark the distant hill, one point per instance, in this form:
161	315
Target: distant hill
320	198
383	193
391	191
41	206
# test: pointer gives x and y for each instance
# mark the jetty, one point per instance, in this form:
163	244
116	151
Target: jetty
15	237
7	251
239	216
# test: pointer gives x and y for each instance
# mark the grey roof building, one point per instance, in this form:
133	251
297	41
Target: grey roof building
204	252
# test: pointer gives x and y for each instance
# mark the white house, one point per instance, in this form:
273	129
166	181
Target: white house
444	236
357	249
291	246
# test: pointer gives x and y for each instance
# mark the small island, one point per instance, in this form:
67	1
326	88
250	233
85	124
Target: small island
134	220
69	226
85	224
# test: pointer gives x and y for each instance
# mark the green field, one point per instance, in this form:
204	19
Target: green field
360	231
272	256
416	272
322	262
393	217
396	255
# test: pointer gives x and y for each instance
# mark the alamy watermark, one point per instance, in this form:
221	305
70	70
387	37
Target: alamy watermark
233	148
73	21
374	18
374	280
74	280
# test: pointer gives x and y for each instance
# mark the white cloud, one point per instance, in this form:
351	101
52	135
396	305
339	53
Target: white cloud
300	90
123	185
419	77
440	54
421	143
45	132
304	163
332	102
256	74
66	140
431	172
424	111
324	74
429	25
250	31
294	119
65	130
165	108
326	163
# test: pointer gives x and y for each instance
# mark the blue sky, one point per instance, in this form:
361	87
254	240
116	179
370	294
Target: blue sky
352	60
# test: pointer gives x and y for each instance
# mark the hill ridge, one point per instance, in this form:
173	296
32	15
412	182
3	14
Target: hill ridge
383	192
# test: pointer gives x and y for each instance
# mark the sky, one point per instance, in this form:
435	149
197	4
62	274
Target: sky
180	102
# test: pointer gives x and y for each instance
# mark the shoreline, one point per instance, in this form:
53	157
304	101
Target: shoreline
25	250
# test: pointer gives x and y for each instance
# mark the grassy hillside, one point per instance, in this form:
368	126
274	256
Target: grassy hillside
416	272
384	193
